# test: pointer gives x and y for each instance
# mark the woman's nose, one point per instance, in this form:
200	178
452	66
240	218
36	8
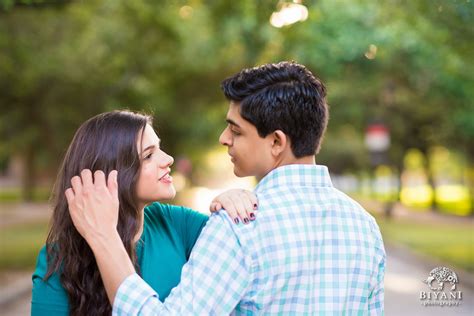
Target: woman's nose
165	160
170	160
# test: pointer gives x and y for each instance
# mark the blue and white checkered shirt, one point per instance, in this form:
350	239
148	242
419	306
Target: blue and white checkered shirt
311	250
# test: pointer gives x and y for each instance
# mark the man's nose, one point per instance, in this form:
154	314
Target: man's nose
225	138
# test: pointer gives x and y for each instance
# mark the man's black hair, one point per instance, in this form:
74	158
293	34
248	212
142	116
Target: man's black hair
284	96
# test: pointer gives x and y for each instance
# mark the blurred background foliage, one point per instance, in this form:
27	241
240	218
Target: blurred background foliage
405	63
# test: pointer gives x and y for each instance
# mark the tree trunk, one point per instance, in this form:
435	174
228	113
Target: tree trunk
470	175
29	175
431	182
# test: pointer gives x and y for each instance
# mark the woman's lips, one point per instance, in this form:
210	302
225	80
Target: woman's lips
166	178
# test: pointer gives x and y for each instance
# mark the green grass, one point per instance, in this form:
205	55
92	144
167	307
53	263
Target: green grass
20	244
40	194
453	244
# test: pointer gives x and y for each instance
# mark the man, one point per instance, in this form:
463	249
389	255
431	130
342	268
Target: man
311	250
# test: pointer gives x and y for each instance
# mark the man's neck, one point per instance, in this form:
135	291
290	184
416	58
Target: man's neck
306	160
292	160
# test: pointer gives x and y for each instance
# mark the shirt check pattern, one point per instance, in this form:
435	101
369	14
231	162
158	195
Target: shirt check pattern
311	251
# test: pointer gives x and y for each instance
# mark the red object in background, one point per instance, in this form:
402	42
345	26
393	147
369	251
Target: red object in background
184	166
377	137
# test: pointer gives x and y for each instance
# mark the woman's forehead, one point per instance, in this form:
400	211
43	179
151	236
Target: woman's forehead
147	139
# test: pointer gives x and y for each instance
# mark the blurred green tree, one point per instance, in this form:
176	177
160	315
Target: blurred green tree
406	63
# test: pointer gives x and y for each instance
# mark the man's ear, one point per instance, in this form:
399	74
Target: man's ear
280	141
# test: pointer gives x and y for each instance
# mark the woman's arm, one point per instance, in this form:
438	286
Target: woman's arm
93	206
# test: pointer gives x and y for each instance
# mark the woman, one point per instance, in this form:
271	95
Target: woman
158	237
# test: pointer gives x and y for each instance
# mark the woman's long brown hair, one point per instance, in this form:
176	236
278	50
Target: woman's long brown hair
105	142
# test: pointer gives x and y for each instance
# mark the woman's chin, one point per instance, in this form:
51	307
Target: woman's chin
172	194
163	195
168	194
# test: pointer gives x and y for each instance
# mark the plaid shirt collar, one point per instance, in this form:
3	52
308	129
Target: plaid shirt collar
297	175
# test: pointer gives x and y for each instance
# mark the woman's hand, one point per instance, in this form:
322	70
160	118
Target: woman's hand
94	204
237	203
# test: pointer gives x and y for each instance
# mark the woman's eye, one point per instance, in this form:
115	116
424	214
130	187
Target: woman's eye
148	156
234	132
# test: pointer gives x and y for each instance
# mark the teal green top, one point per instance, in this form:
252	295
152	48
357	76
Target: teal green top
169	234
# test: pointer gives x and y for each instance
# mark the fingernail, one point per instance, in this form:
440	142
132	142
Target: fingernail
246	220
252	216
236	220
255	206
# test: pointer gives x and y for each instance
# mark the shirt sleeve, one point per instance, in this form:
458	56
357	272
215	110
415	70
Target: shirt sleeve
213	281
45	300
376	298
48	297
135	297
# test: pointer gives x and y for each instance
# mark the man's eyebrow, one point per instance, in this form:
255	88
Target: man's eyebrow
232	122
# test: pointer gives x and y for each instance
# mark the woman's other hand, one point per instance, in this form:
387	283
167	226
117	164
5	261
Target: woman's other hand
239	204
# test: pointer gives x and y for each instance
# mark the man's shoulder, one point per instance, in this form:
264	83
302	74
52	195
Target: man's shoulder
221	223
354	210
222	220
319	199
